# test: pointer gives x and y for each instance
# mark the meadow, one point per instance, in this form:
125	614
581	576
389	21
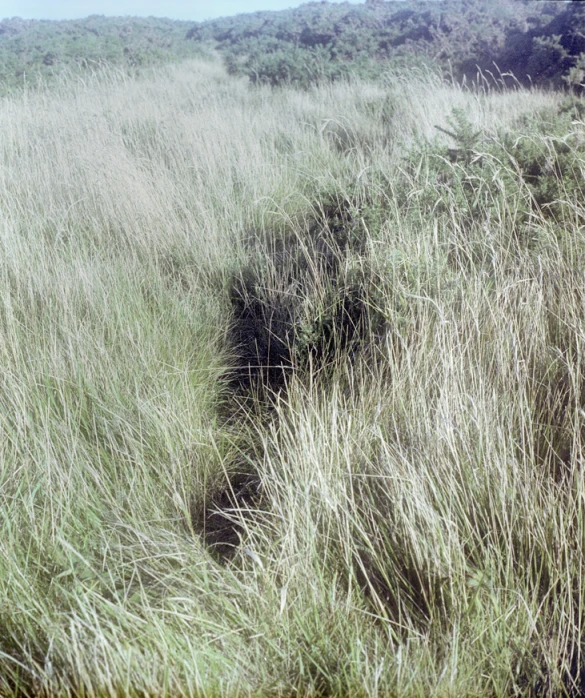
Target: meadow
291	388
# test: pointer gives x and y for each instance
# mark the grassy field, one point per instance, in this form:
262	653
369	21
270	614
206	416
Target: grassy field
291	389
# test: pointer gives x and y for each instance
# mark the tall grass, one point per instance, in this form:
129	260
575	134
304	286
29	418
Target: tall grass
418	525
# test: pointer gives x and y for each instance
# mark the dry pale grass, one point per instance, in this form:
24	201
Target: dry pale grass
420	526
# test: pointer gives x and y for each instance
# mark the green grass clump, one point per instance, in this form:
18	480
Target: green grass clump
398	512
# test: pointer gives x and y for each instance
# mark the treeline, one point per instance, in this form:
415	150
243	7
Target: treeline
539	42
41	49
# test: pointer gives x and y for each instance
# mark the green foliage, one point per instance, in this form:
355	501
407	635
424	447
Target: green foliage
310	44
549	58
575	77
293	66
550	160
547	50
319	41
535	168
33	50
463	133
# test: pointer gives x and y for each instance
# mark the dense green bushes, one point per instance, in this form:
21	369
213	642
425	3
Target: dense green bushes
540	43
41	49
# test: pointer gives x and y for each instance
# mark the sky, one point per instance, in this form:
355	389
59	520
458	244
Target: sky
196	10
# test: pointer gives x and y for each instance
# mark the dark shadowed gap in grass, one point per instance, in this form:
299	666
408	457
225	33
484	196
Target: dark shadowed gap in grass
305	299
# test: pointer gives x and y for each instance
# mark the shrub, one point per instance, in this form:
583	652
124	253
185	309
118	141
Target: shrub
534	169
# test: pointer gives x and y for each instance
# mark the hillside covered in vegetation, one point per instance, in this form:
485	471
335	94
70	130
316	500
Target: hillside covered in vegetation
540	43
33	50
543	43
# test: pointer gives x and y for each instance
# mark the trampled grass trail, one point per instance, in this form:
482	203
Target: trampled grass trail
417	521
